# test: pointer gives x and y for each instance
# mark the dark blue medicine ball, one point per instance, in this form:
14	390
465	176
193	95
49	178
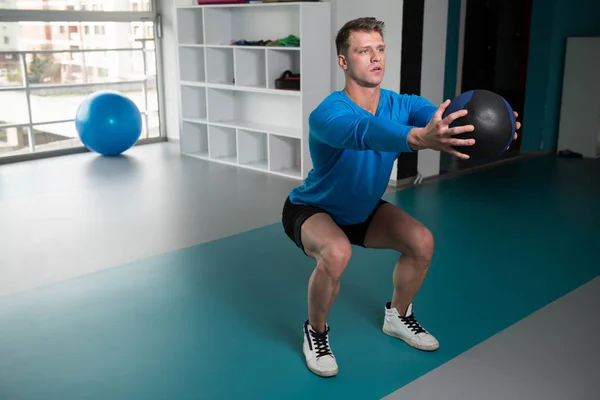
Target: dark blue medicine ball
493	119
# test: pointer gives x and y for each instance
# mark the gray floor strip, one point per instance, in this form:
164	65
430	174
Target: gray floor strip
552	355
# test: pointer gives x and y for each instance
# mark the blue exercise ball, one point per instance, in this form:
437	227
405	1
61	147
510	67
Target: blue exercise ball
493	119
108	123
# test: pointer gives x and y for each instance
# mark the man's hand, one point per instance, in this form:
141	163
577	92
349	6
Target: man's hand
438	135
518	126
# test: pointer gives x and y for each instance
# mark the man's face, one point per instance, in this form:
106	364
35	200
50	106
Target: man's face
365	62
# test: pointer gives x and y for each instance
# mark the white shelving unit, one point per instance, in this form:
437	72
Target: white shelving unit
230	110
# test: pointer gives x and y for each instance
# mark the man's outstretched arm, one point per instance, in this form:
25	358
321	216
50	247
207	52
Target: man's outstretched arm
420	111
337	126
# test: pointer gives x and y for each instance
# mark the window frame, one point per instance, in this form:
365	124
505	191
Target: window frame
49	16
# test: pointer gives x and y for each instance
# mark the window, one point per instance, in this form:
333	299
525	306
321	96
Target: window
64	5
45	76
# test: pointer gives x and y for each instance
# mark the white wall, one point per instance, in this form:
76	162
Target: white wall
432	71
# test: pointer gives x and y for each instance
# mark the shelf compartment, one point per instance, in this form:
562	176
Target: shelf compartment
279	61
250	67
227	24
191	64
285	155
243	46
194	139
189	26
193	103
252	149
223	144
256	111
252	89
219	65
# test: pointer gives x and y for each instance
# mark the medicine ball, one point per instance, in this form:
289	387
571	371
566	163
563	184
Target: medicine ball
493	119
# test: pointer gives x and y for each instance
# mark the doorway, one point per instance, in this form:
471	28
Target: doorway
496	46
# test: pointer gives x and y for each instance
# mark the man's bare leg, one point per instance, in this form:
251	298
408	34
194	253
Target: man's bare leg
322	292
324	241
393	228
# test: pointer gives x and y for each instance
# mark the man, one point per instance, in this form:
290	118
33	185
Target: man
355	136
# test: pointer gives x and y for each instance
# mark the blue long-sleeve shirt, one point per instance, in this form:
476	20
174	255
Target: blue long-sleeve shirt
353	152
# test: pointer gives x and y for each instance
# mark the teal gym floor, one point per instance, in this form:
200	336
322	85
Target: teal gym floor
154	276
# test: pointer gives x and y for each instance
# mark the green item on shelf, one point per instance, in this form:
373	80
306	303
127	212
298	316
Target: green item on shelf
289	41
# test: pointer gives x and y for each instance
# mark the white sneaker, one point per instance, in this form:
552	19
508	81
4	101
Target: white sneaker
319	357
408	329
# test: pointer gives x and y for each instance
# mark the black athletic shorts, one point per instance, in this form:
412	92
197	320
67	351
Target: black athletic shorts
294	215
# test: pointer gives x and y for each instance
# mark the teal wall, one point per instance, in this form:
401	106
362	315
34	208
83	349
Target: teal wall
552	22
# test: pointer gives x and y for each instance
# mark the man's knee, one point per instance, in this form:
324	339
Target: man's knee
423	244
415	242
335	257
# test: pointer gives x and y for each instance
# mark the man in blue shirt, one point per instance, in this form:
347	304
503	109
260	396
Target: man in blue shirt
355	136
